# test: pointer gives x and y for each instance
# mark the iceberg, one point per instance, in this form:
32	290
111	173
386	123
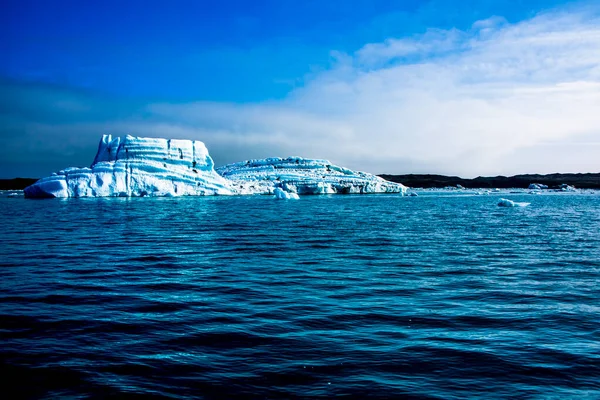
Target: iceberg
567	188
303	176
537	186
510	203
135	166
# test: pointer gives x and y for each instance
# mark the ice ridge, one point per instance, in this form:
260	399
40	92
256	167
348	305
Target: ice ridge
303	176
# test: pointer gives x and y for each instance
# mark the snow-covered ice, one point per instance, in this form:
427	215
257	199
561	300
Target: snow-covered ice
510	203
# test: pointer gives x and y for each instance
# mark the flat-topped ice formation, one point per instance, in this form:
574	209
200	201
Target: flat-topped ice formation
303	176
134	166
138	167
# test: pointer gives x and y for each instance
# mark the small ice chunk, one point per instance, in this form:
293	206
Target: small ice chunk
283	195
510	203
567	188
537	186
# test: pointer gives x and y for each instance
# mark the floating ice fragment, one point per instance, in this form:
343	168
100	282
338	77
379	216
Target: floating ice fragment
567	188
510	203
283	195
537	186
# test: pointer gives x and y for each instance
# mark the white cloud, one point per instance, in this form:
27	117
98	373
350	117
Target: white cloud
456	102
498	98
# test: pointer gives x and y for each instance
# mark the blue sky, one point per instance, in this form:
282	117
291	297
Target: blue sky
212	50
257	71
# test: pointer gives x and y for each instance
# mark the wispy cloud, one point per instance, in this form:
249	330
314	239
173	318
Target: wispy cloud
488	100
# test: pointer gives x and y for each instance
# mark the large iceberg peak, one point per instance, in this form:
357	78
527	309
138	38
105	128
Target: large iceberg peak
107	149
135	166
176	153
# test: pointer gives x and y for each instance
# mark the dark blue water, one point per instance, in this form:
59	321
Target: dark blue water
440	297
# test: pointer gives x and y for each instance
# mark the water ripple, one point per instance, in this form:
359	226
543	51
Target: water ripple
429	297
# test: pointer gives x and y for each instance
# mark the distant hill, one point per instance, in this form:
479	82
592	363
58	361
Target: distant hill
16	183
582	181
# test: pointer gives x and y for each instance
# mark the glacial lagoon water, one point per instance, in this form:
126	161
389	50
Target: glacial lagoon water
440	296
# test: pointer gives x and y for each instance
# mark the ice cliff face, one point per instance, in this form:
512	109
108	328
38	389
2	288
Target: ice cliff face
134	166
138	167
303	176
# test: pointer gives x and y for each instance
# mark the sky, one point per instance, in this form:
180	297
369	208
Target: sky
454	87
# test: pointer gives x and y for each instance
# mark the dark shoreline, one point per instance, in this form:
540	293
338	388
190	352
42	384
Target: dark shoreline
16	183
553	181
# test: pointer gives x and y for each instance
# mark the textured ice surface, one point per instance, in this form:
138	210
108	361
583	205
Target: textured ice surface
303	176
133	166
510	203
138	167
